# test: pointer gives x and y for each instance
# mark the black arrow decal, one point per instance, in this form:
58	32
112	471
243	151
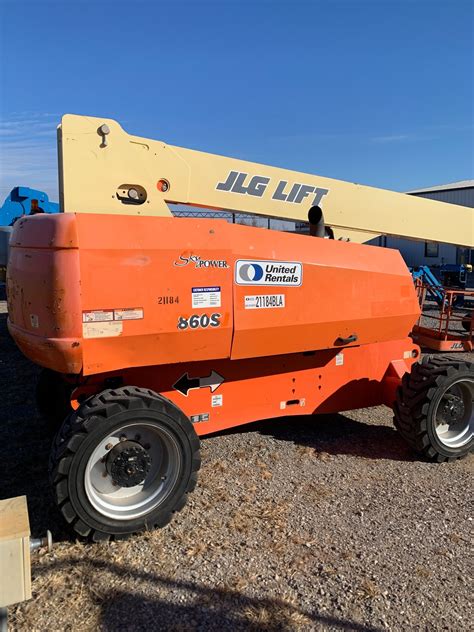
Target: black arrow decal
186	383
214	381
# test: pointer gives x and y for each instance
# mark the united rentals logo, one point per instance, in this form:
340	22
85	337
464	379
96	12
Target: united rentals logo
250	272
241	182
282	273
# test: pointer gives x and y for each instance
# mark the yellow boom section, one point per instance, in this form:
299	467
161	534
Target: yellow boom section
105	170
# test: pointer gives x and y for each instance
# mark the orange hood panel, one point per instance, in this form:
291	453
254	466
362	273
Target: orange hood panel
99	293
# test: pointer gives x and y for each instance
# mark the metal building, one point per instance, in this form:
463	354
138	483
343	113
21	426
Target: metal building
418	253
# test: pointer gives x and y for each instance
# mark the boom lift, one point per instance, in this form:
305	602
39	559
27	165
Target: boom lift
157	330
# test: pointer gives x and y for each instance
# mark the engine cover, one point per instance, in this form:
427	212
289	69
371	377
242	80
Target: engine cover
98	293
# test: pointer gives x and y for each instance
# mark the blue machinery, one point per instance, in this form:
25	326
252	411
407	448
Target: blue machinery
25	201
453	276
433	286
20	201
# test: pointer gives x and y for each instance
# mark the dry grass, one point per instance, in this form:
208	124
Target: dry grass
198	549
455	538
368	589
283	616
305	450
318	491
423	572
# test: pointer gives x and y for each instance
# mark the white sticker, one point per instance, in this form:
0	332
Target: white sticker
206	296
102	330
135	313
195	419
97	316
340	359
264	301
34	320
282	273
216	400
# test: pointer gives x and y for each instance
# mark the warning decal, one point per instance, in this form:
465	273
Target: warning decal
97	316
206	296
107	315
135	313
216	400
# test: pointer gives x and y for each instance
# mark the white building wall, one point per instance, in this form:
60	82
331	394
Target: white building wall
414	252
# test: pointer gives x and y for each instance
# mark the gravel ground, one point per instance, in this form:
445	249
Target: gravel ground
326	523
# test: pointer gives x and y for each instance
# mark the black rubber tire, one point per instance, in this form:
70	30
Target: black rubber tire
416	402
53	397
85	428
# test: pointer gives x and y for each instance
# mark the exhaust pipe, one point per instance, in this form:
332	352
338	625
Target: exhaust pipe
317	228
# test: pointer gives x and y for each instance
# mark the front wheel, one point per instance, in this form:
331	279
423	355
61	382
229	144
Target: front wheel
434	408
123	462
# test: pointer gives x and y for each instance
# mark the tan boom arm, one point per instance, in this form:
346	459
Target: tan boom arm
105	170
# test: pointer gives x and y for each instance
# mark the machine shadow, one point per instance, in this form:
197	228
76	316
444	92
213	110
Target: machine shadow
216	607
337	434
231	613
25	438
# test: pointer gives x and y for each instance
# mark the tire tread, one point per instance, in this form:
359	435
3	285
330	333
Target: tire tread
413	399
81	422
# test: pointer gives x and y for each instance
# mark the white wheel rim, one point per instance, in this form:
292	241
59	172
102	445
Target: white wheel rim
455	431
129	503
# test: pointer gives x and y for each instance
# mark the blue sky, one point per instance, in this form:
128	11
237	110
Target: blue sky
378	92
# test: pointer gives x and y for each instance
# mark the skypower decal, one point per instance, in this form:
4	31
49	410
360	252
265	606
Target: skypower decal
184	260
273	273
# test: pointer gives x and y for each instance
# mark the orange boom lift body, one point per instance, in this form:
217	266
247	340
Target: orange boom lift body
153	330
117	299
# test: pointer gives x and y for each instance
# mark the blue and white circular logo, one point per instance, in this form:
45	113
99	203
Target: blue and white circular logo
250	272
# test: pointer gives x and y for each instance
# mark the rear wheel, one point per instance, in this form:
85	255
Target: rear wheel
123	462
434	408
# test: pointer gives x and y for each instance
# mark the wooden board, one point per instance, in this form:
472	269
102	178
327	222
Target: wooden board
15	574
14	521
